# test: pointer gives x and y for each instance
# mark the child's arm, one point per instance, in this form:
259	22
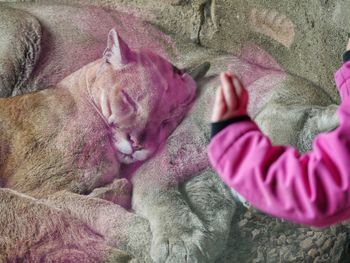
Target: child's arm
313	189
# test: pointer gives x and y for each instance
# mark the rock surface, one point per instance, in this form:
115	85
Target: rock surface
310	35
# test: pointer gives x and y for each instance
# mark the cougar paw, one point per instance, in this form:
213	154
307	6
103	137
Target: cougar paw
180	244
118	192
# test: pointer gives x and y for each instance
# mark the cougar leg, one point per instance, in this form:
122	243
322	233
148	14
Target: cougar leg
119	227
40	232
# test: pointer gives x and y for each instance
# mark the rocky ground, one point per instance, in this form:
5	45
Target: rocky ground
259	238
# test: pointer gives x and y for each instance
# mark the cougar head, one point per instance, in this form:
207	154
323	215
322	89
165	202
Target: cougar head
141	96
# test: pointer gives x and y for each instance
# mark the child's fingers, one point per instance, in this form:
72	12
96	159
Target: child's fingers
244	99
219	105
348	46
220	102
238	86
229	91
241	92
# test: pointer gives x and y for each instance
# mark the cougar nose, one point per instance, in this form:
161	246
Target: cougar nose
135	143
137	147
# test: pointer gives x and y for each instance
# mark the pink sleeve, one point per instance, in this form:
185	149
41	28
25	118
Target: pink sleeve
312	189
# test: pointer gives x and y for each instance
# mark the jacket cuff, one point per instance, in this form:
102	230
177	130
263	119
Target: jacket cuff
217	127
222	142
346	56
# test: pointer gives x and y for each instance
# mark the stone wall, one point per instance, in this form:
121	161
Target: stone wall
308	37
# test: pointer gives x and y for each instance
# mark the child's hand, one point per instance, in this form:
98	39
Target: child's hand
231	99
348	46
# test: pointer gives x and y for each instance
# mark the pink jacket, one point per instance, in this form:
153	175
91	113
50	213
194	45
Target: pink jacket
311	189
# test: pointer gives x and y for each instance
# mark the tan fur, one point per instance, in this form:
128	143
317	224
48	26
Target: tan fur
64	139
63	238
32	126
75	135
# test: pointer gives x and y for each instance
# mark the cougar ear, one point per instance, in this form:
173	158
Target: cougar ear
117	52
